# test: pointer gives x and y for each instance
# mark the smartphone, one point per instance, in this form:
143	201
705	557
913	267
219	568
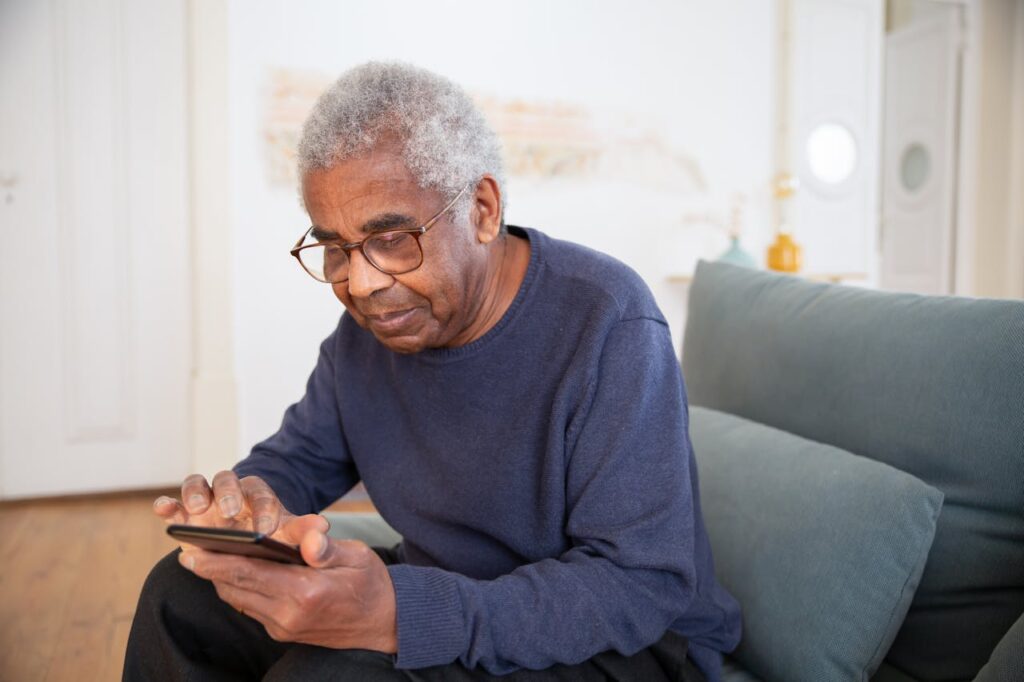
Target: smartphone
233	541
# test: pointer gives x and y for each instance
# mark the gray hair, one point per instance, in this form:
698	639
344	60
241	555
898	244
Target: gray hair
446	141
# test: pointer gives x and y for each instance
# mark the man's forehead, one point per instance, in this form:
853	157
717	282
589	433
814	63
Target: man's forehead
357	205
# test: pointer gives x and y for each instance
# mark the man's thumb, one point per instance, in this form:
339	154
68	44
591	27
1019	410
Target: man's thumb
321	551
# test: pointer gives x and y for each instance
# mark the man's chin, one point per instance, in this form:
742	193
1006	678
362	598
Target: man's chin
403	341
405	345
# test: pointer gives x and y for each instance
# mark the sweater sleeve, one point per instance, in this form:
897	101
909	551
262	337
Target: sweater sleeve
307	463
629	572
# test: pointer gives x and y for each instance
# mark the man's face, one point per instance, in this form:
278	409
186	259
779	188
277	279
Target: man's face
425	308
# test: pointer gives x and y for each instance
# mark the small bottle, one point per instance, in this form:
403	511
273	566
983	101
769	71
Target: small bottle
785	255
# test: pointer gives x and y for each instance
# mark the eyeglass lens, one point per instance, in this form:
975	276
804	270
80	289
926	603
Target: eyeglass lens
392	252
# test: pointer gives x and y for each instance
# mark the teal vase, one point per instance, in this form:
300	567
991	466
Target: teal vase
735	255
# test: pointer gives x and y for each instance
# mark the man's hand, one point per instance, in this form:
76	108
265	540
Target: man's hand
344	599
247	504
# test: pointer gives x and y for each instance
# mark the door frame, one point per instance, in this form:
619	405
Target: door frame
988	212
214	388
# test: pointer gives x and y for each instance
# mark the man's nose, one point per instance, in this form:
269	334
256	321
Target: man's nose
363	278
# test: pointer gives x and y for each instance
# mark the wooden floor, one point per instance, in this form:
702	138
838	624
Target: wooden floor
70	574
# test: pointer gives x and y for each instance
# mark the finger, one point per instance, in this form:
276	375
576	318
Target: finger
170	510
246	602
266	611
321	551
254	575
195	494
293	529
265	507
228	494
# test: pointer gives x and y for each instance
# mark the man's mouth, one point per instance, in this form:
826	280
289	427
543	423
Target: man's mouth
392	321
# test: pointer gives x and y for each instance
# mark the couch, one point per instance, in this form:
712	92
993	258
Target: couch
861	463
861	456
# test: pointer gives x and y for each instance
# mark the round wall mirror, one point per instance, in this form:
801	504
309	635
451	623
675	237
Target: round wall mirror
914	167
831	153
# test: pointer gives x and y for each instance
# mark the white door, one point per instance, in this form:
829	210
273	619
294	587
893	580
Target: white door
94	276
834	110
919	153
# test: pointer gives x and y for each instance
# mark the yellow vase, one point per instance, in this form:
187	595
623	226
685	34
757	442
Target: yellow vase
785	255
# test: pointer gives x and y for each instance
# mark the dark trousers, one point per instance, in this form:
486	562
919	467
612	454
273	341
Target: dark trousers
183	631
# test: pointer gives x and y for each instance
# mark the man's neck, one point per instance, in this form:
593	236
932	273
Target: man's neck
509	262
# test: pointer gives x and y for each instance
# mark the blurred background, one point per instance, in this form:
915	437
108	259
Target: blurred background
153	323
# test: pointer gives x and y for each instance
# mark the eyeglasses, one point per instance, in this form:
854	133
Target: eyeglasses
394	252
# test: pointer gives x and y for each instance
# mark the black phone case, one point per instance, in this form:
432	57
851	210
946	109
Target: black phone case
231	541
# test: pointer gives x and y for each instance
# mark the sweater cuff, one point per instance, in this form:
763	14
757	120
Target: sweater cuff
431	628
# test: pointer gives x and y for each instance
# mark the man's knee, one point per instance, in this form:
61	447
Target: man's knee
312	664
168	582
182	627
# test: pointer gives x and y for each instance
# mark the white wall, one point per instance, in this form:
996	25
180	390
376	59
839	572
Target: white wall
702	73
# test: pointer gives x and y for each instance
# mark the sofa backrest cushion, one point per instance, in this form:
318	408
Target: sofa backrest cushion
823	549
933	386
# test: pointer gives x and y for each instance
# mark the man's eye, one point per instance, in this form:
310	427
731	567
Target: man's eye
391	240
334	254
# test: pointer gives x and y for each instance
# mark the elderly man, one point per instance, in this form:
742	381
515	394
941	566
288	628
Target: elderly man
512	403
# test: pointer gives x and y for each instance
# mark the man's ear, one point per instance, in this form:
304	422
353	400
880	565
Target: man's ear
486	210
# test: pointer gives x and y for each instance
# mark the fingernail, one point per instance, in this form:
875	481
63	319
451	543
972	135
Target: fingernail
264	524
161	501
323	546
187	560
228	506
196	502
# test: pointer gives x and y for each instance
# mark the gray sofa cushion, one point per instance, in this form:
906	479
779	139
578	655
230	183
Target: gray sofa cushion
368	527
933	386
822	548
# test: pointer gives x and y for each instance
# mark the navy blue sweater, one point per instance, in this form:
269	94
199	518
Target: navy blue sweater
541	476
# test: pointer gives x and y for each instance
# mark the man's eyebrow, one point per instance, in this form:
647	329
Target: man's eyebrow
388	221
381	223
322	235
